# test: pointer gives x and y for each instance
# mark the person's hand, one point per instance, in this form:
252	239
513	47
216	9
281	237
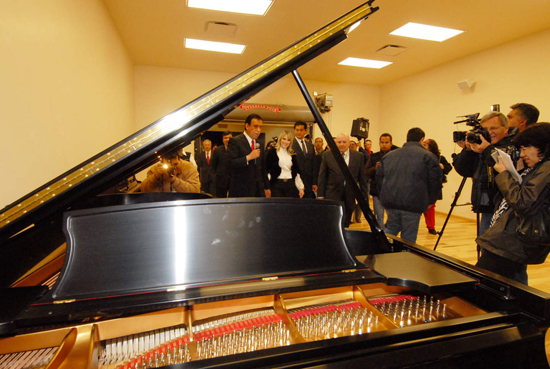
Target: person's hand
301	193
169	177
254	154
314	188
267	192
377	165
480	147
499	166
461	144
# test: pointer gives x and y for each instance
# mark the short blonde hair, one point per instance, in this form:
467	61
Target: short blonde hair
289	136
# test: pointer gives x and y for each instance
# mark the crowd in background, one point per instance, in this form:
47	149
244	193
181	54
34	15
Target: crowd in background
404	182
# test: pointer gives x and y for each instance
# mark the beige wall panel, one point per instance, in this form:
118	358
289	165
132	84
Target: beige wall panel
66	90
515	72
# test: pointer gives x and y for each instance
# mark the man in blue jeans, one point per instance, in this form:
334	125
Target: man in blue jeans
409	181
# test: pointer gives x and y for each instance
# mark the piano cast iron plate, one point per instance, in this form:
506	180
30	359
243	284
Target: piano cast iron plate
406	269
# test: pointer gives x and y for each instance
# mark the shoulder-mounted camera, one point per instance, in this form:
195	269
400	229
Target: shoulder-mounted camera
474	135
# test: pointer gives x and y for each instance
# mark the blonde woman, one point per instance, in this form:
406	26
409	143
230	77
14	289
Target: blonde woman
282	167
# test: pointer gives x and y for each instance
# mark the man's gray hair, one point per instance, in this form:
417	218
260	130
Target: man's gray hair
501	117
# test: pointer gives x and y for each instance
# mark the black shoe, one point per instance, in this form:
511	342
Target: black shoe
432	231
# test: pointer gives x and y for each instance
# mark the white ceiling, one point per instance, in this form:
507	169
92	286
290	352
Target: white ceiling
153	32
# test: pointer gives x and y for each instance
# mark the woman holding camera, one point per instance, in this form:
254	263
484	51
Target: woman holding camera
504	252
282	166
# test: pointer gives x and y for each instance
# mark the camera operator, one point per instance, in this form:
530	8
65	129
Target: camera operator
475	161
172	175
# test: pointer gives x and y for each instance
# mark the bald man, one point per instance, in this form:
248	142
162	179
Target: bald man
332	184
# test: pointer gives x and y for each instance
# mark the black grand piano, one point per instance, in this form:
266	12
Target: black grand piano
177	280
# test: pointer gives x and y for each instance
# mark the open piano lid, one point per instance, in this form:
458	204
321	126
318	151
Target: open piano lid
38	215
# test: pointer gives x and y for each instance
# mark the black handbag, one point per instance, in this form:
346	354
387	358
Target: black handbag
535	229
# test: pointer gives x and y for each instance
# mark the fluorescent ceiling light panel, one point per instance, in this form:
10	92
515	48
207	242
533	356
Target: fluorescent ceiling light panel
365	63
222	47
257	7
424	32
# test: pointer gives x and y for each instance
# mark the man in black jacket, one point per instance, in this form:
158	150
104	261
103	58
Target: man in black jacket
475	161
408	180
305	153
245	160
206	172
332	183
219	165
373	162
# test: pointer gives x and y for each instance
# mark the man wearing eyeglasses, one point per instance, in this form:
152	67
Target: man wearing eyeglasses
475	161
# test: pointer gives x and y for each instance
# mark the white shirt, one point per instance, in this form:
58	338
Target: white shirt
345	154
285	163
256	147
250	141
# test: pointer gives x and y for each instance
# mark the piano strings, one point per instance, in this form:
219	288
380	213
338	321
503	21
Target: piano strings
259	329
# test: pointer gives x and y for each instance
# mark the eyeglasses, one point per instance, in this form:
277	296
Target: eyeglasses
494	129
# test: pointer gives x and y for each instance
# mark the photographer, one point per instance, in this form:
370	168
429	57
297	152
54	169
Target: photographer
172	175
475	161
506	251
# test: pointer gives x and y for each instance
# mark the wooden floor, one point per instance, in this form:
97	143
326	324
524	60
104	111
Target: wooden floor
458	241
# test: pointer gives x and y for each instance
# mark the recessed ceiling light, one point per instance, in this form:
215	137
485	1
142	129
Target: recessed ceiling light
222	47
257	7
424	32
365	63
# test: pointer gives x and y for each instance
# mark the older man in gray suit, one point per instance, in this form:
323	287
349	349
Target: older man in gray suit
332	183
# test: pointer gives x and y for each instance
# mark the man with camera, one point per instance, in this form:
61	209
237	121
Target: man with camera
172	175
475	161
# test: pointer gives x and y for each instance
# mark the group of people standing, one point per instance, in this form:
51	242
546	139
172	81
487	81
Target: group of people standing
404	181
503	200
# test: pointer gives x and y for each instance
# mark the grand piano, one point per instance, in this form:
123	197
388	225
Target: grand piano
90	280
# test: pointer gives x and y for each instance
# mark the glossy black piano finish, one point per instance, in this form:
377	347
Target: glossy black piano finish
189	243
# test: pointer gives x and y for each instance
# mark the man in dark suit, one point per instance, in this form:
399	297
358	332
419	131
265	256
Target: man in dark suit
245	155
219	165
206	173
305	153
332	184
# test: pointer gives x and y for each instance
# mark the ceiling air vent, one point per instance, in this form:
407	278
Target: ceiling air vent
221	28
391	50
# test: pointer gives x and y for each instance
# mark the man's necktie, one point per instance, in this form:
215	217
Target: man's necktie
253	148
208	157
304	147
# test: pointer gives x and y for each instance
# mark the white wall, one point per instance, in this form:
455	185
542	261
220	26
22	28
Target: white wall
66	89
515	72
69	90
159	91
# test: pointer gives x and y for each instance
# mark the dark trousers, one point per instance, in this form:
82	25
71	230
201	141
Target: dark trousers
309	194
221	192
284	188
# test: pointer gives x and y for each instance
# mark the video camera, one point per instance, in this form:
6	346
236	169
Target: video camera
473	136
